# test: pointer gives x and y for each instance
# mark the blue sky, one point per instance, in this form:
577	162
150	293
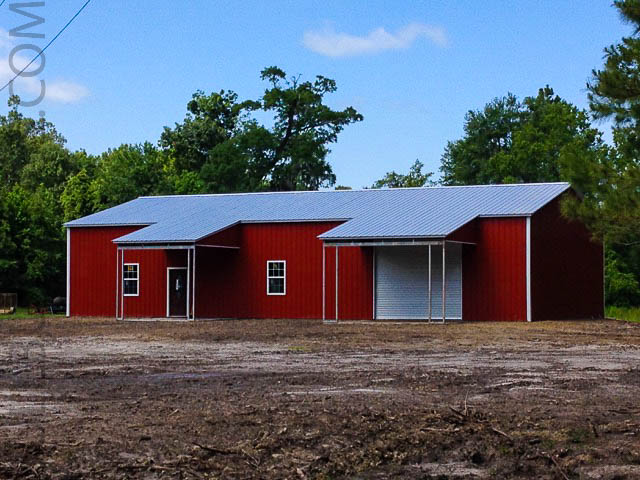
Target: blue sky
126	69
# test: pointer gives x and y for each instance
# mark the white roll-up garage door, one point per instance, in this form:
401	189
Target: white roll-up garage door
402	282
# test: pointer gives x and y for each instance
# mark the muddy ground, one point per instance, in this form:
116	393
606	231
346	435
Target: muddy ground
299	399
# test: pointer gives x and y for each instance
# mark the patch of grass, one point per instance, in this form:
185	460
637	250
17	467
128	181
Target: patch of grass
298	349
548	443
631	314
23	313
579	435
504	450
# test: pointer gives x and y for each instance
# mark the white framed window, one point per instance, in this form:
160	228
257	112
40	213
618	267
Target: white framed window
276	277
131	280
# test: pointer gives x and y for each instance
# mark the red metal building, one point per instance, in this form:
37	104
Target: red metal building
494	253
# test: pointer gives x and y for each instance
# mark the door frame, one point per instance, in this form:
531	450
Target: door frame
168	309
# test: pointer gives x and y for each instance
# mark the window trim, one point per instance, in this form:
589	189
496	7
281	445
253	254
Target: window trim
137	279
284	278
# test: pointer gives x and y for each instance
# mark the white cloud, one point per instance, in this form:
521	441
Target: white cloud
334	44
29	88
5	39
66	92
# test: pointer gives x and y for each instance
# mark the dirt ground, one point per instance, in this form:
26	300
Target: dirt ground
94	398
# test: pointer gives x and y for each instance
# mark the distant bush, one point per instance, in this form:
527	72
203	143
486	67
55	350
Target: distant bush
622	288
621	313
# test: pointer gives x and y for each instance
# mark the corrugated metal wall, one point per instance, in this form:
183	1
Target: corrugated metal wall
566	268
229	283
93	270
494	271
232	283
402	275
93	274
152	299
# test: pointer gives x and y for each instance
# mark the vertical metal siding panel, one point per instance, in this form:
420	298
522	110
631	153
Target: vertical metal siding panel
494	271
361	299
330	283
151	301
93	272
454	281
216	285
94	278
566	268
347	289
355	278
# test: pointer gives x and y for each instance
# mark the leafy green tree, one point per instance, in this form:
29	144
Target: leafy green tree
295	157
128	172
415	178
32	259
34	166
49	165
8	246
611	183
614	91
519	142
76	198
42	242
222	139
14	133
487	134
612	206
20	138
210	121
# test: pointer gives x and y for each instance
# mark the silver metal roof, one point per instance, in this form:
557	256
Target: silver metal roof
432	212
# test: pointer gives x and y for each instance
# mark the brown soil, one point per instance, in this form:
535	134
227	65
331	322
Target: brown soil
94	398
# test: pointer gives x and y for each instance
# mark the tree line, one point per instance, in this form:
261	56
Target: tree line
223	146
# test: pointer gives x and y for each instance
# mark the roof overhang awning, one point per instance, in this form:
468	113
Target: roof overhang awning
154	246
169	246
391	242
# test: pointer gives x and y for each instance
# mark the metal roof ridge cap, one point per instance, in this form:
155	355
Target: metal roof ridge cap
237	194
354	190
85	225
297	220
